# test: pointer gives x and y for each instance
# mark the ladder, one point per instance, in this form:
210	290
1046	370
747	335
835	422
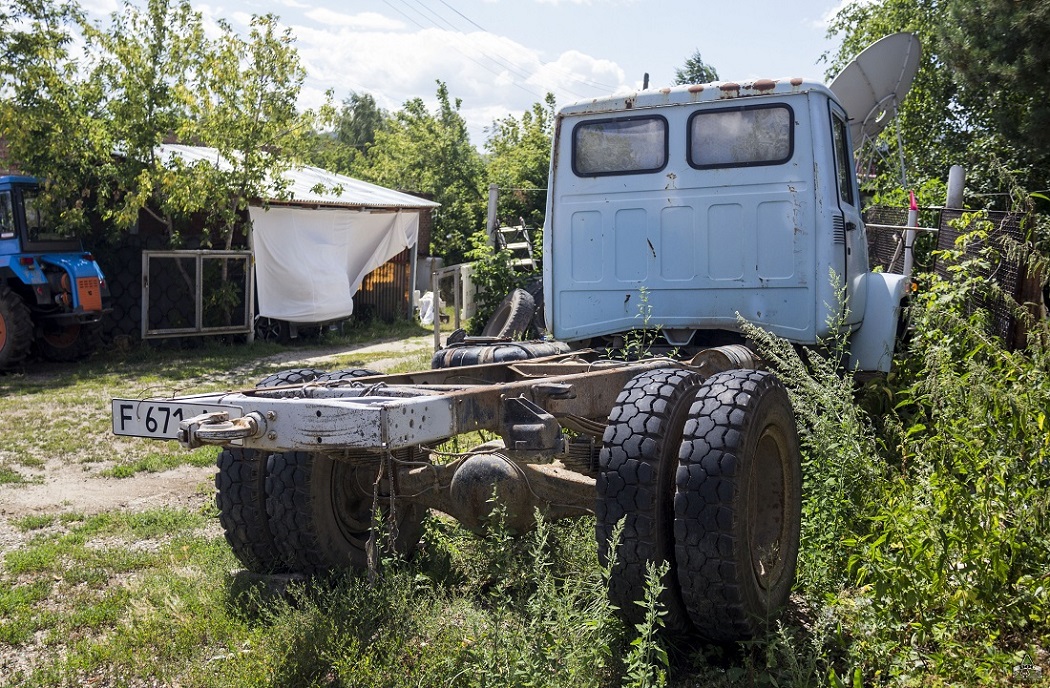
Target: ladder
517	241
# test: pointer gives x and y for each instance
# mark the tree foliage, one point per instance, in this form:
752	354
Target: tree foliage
430	153
979	98
91	124
695	71
519	162
51	119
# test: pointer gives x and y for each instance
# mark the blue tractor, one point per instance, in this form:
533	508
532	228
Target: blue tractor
52	293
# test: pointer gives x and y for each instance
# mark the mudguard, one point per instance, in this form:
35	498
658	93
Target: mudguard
872	345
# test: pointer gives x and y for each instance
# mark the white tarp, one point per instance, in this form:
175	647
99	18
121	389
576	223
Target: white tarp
310	262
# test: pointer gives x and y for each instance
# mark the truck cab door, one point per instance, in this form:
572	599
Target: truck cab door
849	228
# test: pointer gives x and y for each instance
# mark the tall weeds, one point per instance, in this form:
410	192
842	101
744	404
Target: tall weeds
927	516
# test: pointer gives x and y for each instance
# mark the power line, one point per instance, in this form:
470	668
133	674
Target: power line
585	82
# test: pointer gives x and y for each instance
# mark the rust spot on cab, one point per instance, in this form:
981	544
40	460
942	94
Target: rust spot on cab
665	91
797	81
696	88
729	89
763	85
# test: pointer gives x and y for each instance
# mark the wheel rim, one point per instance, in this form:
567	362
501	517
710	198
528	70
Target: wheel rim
64	338
767	503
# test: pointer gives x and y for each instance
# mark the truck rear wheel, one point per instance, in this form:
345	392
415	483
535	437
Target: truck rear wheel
321	512
16	328
737	506
69	342
638	460
240	496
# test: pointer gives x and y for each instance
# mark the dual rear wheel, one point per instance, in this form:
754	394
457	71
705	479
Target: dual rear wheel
705	475
306	512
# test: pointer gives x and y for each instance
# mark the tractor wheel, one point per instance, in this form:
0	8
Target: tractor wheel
635	485
321	512
737	505
512	316
240	496
16	328
69	343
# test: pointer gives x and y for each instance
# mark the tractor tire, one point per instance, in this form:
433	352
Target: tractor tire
512	317
471	353
737	505
637	465
69	343
320	512
240	496
16	328
349	374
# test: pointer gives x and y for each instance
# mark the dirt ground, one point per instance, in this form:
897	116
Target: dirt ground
66	487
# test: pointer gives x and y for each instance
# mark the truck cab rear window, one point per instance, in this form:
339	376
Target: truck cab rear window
740	137
627	145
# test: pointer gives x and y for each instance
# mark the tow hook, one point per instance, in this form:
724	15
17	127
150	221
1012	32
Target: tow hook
217	428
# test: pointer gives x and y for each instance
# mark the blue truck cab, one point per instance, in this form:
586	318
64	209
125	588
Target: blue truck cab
698	206
52	293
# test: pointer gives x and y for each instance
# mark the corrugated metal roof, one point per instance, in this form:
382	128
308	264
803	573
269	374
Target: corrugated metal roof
340	191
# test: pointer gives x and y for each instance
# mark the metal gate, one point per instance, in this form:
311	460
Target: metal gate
197	293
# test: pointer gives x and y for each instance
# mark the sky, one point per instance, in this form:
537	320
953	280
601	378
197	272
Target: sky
501	56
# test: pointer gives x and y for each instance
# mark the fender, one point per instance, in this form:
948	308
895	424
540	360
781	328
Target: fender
85	275
872	345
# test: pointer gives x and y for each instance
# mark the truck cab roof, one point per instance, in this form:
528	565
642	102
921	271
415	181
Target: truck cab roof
695	93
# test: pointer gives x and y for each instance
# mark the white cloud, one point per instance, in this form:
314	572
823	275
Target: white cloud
493	75
367	21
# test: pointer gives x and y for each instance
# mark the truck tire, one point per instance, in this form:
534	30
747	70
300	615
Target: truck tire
240	485
348	374
470	353
512	316
320	512
16	328
737	505
292	376
69	343
637	465
240	493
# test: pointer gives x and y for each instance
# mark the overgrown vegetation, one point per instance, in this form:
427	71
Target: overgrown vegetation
924	560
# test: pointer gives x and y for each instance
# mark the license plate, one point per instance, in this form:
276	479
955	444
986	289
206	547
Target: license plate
158	419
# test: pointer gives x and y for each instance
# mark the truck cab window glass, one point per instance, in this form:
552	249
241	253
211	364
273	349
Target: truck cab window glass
39	225
7	217
842	160
739	137
619	146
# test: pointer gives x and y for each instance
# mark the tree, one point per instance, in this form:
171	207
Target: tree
356	125
52	120
979	98
519	162
431	153
150	64
1000	56
695	71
